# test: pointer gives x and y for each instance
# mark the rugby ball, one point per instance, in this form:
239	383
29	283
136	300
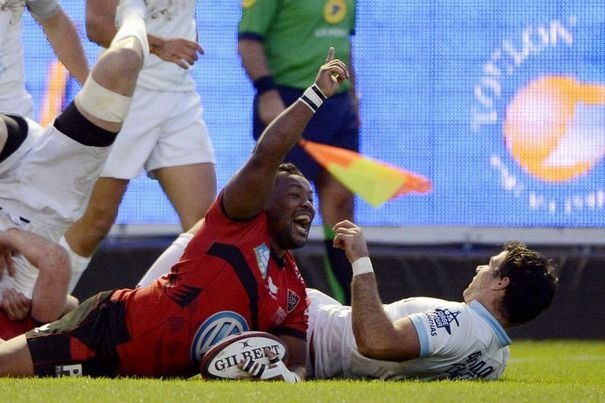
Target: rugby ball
220	361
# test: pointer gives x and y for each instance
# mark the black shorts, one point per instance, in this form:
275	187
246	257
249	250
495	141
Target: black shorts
83	342
336	123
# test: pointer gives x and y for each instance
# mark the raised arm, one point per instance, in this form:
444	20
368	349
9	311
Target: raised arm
65	40
376	335
50	291
248	190
101	28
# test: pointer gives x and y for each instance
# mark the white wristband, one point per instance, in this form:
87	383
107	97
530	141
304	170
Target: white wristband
313	97
362	265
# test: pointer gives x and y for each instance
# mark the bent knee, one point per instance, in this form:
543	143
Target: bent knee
128	59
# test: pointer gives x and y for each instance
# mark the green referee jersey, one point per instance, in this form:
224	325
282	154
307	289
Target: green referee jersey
297	34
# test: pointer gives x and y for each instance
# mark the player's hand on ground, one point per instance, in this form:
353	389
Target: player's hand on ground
16	305
331	74
349	237
180	51
276	370
270	105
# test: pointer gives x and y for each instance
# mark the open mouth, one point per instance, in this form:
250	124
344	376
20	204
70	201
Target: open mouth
302	222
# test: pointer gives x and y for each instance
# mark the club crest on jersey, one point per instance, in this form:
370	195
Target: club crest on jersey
293	300
442	318
263	253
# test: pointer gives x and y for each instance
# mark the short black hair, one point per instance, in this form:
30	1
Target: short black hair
290	169
533	283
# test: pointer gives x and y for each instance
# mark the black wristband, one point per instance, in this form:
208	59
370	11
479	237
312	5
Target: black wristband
264	84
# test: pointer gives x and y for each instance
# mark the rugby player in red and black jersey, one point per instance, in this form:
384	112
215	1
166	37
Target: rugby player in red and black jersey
236	274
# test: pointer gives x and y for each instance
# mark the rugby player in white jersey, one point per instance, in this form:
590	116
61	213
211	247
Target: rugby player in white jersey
419	337
426	338
164	133
46	173
60	32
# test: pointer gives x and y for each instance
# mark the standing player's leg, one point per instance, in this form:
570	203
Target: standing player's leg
336	203
85	235
104	100
190	188
106	95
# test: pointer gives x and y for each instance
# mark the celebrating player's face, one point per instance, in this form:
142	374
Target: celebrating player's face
290	212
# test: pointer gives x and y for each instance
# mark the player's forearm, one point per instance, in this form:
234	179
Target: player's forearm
252	54
39	251
52	262
282	134
248	190
65	40
372	328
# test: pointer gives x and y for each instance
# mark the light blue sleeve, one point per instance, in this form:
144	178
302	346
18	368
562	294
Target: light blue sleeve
423	336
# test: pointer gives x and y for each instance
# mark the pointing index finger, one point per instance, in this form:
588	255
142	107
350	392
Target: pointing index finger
331	53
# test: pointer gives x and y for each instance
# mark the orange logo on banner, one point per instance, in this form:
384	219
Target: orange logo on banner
547	136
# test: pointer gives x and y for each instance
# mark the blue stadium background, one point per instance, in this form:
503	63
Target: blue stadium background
422	69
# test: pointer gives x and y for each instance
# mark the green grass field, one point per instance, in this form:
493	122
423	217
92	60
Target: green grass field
549	371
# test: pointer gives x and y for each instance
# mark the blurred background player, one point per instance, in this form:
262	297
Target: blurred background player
279	43
46	172
62	35
164	132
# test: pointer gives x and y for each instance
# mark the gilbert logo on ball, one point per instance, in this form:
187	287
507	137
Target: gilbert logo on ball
221	361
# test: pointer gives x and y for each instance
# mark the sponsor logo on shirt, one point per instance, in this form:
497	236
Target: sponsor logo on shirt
442	318
471	367
335	11
43	328
263	253
293	300
248	3
68	370
164	9
272	288
213	330
279	316
15	7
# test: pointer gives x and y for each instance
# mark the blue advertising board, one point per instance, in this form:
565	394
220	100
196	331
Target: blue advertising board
500	104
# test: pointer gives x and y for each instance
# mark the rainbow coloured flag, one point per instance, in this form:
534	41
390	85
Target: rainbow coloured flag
374	181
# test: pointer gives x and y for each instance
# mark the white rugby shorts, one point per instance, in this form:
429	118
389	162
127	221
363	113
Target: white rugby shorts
162	129
17	103
44	187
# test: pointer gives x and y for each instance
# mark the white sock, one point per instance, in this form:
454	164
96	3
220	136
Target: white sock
78	264
130	18
167	259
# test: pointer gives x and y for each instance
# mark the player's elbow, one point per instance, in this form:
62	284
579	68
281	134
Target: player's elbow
386	347
373	351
